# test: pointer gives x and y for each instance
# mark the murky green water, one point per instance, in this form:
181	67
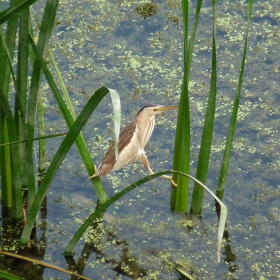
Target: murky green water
138	52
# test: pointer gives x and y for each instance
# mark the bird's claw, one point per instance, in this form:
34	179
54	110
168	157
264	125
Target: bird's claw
92	176
170	179
172	182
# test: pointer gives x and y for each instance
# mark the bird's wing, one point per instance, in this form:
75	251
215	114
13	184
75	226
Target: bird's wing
127	152
127	135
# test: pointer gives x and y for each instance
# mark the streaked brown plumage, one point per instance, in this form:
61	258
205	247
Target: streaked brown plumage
132	141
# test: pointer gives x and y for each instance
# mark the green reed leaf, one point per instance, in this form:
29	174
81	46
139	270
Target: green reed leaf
140	182
231	130
181	161
15	9
15	159
80	142
36	138
206	140
9	276
34	94
58	158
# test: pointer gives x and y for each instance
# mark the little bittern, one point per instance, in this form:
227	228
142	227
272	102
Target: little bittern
132	142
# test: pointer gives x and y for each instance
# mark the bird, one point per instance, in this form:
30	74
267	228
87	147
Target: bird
132	141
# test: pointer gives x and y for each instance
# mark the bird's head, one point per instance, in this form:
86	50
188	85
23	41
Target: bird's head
151	110
146	120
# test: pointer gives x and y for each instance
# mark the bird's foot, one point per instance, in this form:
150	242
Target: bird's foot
172	182
92	176
170	179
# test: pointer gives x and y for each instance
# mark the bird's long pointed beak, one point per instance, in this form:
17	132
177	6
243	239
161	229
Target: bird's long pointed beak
166	108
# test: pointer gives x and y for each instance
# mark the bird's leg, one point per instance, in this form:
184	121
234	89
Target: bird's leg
144	160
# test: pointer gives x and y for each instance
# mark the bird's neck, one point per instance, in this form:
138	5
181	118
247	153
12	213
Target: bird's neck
145	127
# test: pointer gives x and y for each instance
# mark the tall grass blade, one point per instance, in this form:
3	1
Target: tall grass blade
80	142
22	64
123	192
12	173
179	196
5	161
62	85
42	45
36	138
5	164
15	159
231	130
58	158
9	276
41	131
7	46
14	9
206	140
22	78
41	117
8	51
181	161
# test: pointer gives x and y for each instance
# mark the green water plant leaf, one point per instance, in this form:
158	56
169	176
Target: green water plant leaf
181	161
9	276
35	139
14	9
11	168
58	158
69	119
208	128
123	192
16	181
231	130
